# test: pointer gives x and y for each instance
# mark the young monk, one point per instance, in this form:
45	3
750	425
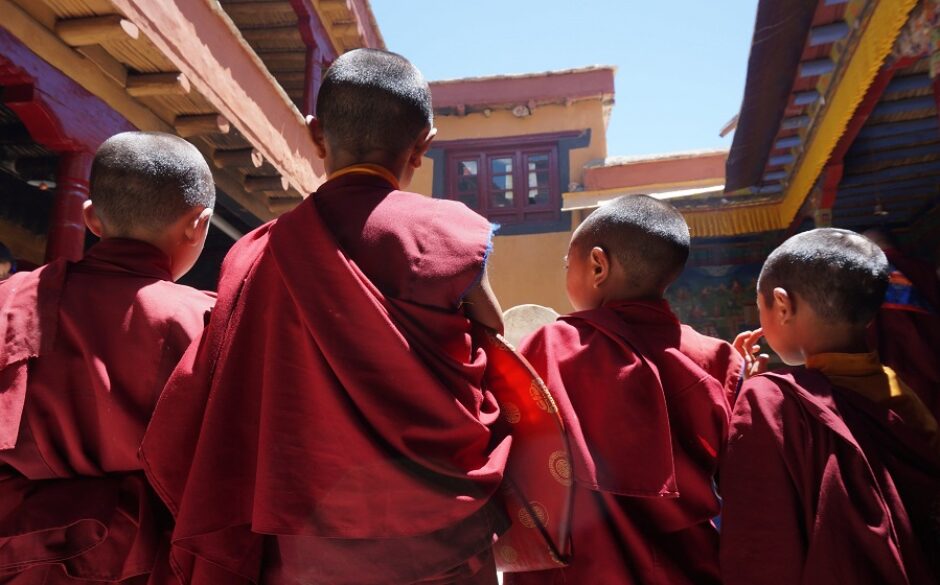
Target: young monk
332	427
87	348
832	472
645	402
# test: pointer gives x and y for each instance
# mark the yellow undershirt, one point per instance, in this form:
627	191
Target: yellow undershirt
366	169
864	373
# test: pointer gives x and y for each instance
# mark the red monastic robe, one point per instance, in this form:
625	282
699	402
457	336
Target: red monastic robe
332	426
822	486
646	404
87	348
908	337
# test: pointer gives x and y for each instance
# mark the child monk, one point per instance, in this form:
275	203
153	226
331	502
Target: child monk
86	350
332	427
645	401
831	473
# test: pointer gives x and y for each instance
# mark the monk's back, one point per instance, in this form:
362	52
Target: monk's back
631	381
112	337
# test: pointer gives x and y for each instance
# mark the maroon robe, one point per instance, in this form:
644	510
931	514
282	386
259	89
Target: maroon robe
908	341
646	404
88	347
332	427
817	482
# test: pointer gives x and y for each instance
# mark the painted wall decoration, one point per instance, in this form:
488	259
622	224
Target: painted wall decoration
720	301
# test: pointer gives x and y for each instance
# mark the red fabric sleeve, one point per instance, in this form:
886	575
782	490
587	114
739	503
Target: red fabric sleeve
762	539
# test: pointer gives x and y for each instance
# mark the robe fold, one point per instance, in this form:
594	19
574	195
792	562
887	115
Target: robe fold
87	348
646	404
823	486
332	426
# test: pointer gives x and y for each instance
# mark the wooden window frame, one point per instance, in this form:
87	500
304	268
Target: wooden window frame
521	212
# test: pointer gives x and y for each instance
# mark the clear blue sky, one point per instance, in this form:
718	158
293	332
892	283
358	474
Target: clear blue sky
681	63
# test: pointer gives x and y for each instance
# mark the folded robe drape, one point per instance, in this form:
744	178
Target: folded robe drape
86	349
317	407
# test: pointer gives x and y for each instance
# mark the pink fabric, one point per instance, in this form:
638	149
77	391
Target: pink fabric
89	346
348	426
803	501
645	402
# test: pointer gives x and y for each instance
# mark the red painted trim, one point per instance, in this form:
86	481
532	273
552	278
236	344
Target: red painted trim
67	224
520	90
312	30
832	176
366	24
505	141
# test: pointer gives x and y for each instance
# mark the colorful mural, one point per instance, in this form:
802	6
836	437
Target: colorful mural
720	301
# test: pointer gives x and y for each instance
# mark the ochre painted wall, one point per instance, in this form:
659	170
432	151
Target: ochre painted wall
527	268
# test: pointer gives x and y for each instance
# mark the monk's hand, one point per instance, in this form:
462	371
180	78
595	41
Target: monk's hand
746	345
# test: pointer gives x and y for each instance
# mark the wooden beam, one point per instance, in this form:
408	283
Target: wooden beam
95	30
265	184
157	84
103	59
279	34
284	60
256	13
87	74
188	126
828	33
203	43
242	157
816	67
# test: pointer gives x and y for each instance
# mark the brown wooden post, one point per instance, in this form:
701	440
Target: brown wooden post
67	224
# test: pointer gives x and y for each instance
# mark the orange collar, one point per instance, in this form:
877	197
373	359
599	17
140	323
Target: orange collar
366	169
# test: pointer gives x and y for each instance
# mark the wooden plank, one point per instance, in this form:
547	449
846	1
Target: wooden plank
188	126
284	60
157	84
828	33
205	45
87	74
816	67
257	14
103	59
265	184
95	30
241	158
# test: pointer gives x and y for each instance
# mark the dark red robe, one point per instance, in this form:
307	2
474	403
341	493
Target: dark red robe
332	426
907	334
646	404
822	486
87	348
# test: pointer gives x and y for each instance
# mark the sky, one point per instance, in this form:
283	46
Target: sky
681	64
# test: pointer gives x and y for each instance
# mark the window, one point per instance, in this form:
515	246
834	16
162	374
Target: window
507	185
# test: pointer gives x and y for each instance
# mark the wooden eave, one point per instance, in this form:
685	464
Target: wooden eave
187	72
282	33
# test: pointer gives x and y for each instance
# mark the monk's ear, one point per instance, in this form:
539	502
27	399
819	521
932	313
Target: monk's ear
600	266
421	148
316	133
783	307
197	226
91	218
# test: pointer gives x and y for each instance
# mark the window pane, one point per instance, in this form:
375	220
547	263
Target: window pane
501	183
538	180
537	162
467	168
501	166
539	196
500	198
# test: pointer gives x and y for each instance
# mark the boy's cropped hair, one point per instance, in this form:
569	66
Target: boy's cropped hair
842	275
147	180
373	100
648	237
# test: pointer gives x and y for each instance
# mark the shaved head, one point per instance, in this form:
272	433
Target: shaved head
647	237
372	100
842	275
148	180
